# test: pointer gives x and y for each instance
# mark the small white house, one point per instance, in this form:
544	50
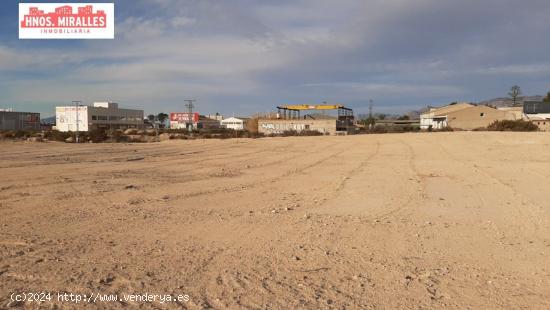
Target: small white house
235	123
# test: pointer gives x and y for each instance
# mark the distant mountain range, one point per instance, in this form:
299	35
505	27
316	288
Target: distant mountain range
508	102
48	120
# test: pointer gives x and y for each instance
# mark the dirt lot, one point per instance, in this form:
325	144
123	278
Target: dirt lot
409	221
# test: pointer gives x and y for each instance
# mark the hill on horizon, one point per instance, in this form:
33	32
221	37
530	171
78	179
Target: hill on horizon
508	102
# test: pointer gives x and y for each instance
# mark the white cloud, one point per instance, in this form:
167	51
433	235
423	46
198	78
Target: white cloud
358	90
180	21
527	70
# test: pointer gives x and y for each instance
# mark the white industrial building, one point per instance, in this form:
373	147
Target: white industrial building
105	115
235	123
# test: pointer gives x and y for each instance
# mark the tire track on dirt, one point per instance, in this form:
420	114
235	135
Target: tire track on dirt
357	169
416	193
535	218
254	185
165	162
245	281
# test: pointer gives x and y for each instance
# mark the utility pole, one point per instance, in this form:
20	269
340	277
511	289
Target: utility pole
190	106
77	107
370	108
370	113
156	125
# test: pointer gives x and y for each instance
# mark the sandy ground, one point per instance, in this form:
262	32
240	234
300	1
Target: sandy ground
408	221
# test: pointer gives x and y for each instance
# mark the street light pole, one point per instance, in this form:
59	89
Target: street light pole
77	107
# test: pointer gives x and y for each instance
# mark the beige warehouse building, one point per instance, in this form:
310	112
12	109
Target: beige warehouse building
464	116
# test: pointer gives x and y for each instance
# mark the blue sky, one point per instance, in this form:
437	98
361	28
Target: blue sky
244	56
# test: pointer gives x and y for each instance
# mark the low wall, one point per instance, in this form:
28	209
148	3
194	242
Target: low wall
278	126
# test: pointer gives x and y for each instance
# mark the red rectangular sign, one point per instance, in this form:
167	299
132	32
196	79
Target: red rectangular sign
184	117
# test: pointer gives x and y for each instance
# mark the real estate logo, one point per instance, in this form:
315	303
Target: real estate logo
66	21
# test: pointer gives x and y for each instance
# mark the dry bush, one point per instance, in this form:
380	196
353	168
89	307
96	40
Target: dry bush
56	135
96	135
303	133
379	129
7	135
444	129
508	125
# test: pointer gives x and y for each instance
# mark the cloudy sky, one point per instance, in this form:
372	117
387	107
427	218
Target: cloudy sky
245	56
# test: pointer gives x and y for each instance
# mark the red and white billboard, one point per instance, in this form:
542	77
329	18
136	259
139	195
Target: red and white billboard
66	21
183	118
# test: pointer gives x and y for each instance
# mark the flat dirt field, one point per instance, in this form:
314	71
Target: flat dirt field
397	221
